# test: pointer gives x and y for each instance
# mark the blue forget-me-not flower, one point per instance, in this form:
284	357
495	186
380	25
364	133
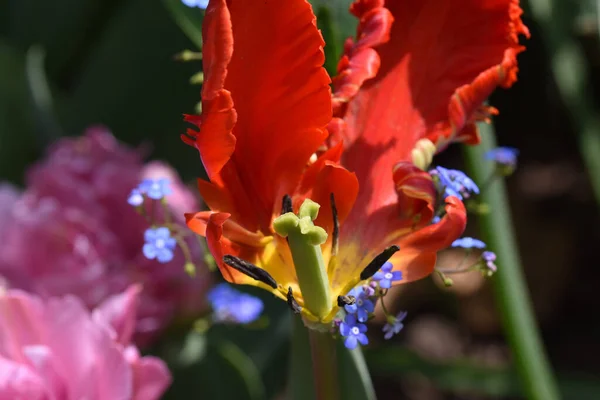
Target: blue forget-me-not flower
159	244
385	276
196	3
362	306
505	156
454	183
135	198
230	305
468	243
394	325
353	331
156	189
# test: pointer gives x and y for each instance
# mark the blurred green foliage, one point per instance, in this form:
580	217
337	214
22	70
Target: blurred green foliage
108	62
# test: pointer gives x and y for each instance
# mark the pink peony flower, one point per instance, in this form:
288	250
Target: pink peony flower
56	349
72	232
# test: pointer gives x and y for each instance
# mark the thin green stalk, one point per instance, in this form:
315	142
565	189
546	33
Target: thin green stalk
569	68
509	283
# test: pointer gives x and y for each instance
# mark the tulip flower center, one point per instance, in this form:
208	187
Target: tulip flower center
305	241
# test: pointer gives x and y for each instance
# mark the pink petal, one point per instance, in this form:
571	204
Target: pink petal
42	360
87	357
119	312
17	381
151	378
21	323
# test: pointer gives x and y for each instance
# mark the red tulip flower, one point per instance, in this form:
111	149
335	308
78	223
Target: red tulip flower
273	131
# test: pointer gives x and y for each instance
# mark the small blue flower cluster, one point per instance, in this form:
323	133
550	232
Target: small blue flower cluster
232	306
362	306
503	156
155	189
489	257
394	325
353	327
471	243
159	244
196	3
468	243
453	182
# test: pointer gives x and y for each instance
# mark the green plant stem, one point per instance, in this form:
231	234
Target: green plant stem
324	365
509	282
314	368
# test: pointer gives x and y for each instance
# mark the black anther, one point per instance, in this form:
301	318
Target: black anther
292	301
286	204
378	262
336	226
250	269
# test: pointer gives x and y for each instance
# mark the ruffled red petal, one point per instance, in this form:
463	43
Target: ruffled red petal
266	103
416	193
444	57
215	140
417	256
219	246
360	61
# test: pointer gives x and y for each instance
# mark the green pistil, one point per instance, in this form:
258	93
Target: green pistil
305	241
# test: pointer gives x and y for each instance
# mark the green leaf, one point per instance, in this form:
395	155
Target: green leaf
216	369
331	33
17	134
338	9
189	19
43	105
132	84
66	29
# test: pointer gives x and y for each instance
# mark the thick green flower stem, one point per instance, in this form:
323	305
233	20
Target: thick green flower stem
324	365
305	241
509	283
314	365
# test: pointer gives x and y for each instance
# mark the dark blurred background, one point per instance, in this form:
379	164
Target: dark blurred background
68	64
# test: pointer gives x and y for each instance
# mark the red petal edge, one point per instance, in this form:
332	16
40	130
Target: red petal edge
360	61
417	256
